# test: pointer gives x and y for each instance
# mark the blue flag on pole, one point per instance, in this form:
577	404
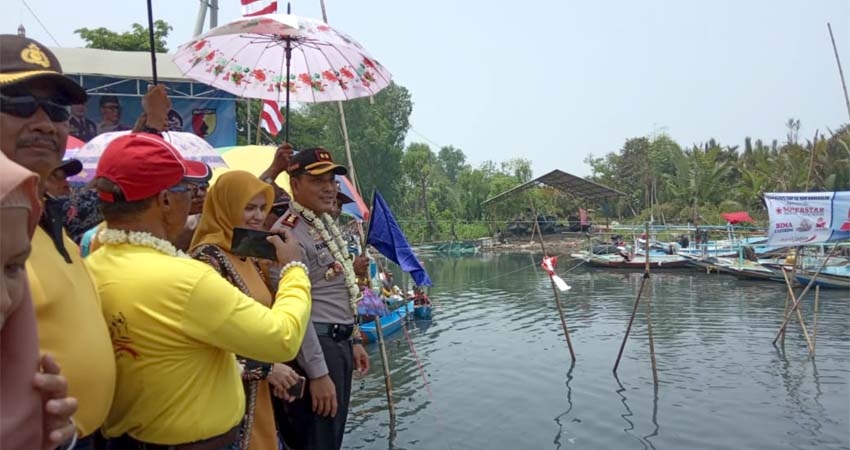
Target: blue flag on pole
386	236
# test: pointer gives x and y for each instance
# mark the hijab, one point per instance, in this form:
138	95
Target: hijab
21	416
224	207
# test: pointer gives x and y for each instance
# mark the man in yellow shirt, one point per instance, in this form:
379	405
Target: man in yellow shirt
33	132
175	323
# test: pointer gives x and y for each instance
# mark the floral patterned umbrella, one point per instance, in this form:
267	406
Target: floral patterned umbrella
278	56
190	145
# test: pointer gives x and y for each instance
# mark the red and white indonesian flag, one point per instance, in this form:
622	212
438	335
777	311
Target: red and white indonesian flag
807	217
548	264
258	7
271	119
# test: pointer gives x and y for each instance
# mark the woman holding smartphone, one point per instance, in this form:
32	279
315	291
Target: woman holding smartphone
240	199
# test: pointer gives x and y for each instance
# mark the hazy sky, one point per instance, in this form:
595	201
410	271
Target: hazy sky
552	81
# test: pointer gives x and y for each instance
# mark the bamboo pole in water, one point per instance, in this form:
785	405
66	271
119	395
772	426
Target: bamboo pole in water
381	346
788	295
649	316
799	314
646	277
815	325
787	304
554	288
385	361
796	302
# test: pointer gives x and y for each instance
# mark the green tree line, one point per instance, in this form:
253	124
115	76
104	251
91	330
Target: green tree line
437	195
666	181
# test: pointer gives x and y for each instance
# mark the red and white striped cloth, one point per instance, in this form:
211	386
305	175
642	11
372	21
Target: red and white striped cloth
271	119
258	7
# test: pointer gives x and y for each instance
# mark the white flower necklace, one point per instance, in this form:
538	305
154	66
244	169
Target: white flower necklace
336	245
141	238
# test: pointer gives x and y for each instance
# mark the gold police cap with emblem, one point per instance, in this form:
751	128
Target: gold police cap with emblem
314	161
23	59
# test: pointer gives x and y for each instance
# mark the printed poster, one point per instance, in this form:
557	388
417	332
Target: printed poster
808	217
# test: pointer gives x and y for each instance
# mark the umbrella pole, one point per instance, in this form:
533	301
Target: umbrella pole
554	288
288	64
153	46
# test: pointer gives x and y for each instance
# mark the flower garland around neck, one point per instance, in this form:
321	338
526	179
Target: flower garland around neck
141	238
328	230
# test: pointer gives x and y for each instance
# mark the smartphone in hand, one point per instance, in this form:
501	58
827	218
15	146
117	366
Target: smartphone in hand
253	243
297	389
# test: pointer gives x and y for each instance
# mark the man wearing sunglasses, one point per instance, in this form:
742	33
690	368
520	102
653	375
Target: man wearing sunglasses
35	101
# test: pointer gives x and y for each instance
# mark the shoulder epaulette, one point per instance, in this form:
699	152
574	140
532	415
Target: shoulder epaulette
290	220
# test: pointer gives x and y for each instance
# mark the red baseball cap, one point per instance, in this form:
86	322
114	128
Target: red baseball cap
143	164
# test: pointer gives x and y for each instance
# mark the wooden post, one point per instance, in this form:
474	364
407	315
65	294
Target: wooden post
385	362
343	125
799	314
796	302
631	320
815	325
388	382
787	301
649	316
554	288
840	71
381	346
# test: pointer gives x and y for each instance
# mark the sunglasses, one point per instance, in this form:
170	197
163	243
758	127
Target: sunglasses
27	105
179	188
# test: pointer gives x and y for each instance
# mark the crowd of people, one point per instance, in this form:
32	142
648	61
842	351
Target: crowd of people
128	319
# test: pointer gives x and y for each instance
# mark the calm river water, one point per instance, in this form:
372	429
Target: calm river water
500	376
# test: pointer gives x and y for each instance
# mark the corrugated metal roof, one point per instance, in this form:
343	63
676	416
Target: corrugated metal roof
565	182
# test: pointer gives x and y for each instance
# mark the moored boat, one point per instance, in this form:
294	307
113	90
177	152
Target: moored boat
829	277
619	261
390	323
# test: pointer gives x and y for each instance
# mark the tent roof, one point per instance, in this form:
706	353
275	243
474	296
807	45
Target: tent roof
110	63
565	182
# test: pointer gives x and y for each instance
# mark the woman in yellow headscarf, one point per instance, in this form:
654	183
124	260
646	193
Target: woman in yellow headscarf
240	199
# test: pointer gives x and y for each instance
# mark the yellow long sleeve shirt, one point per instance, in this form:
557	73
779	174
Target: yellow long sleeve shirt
175	325
71	328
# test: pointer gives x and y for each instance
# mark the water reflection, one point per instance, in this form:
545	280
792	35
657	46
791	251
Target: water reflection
644	440
497	364
564	414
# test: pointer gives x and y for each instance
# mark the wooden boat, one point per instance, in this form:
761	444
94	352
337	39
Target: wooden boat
618	261
422	312
829	277
743	269
390	323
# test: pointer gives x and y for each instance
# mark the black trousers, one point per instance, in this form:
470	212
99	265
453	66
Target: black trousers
298	426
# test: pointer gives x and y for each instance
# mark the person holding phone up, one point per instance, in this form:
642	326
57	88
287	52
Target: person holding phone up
174	322
240	199
332	349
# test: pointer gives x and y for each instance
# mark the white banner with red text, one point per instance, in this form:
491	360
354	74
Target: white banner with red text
802	218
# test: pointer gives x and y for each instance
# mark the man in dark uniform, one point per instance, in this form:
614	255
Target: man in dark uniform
82	127
332	348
